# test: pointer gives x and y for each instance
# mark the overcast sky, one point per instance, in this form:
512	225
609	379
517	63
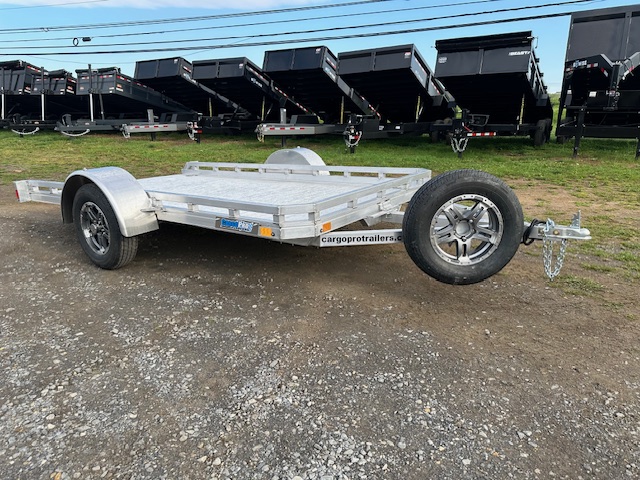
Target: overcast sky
65	34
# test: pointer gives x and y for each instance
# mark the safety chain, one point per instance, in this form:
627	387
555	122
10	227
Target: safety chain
550	269
459	145
260	134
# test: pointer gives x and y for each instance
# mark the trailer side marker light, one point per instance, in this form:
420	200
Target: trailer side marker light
265	232
482	134
326	227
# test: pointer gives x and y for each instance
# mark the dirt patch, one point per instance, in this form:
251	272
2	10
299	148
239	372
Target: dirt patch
217	356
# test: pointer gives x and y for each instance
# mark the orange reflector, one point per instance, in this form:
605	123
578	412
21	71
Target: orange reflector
265	232
326	227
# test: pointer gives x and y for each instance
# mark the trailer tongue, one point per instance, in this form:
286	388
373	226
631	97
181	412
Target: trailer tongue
460	228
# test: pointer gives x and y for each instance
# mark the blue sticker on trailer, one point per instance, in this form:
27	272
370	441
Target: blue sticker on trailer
237	225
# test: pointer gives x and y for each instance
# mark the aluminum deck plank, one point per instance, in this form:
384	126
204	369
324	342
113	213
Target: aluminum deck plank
249	190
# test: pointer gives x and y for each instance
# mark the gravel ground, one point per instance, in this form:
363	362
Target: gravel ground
222	357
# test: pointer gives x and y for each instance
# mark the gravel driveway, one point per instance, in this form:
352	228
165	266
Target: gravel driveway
222	357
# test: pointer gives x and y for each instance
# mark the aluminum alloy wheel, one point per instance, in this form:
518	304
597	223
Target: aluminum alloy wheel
95	228
466	230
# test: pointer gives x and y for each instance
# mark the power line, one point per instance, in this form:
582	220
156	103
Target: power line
189	19
21	7
310	40
255	24
335	29
315	31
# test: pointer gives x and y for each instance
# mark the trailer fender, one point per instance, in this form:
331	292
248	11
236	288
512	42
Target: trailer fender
131	204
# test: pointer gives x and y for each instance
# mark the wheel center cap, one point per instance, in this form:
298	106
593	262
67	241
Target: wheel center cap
463	228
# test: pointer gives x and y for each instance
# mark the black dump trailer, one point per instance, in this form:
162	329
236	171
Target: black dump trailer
115	99
497	83
175	77
310	77
398	82
121	96
600	92
16	83
59	89
244	82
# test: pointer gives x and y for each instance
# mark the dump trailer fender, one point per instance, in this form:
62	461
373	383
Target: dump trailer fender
131	204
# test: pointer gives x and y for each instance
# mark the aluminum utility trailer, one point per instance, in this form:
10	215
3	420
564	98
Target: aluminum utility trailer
600	94
459	228
497	82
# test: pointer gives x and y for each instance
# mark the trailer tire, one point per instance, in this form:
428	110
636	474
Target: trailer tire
436	134
540	133
562	139
463	226
98	231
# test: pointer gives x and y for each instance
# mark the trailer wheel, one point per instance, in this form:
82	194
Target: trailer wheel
436	134
540	133
463	226
98	230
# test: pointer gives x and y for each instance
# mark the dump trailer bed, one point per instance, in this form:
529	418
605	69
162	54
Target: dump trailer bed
460	228
310	77
59	87
35	99
495	75
600	94
398	82
174	77
122	96
245	83
16	83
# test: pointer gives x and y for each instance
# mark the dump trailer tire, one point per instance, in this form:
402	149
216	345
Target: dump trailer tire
540	133
436	134
98	231
463	226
